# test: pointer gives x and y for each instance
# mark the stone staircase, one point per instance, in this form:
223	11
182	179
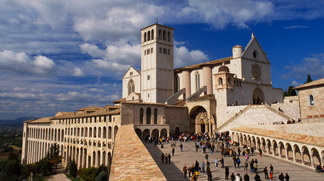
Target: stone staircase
233	118
283	115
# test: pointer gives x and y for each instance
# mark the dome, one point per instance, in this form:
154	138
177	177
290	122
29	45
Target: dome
223	68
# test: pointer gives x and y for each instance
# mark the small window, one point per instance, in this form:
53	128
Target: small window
148	51
164	50
168	51
148	95
311	100
144	52
220	81
151	50
255	54
130	73
160	50
148	77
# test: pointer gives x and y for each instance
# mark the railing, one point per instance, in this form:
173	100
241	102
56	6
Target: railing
280	113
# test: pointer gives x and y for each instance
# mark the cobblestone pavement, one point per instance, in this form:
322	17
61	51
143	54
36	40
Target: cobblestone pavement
188	157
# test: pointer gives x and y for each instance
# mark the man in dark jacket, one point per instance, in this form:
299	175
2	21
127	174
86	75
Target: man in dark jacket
257	177
226	173
281	177
246	177
265	171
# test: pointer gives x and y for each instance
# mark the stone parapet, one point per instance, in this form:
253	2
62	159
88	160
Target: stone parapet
131	160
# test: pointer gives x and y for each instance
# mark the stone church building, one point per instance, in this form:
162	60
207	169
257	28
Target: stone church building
159	100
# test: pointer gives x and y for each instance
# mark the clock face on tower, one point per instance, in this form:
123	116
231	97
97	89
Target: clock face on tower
256	72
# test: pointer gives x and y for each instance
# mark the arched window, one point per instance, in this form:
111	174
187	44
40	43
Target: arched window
131	86
160	34
148	115
197	76
155	115
94	132
145	37
141	115
152	35
311	100
220	81
164	35
148	36
168	35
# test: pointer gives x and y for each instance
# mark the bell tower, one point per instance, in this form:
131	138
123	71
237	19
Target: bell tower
157	65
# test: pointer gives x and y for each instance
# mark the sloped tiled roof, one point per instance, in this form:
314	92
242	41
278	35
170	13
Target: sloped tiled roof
97	113
300	138
213	62
40	120
311	84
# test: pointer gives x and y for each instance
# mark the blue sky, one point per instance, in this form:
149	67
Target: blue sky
59	55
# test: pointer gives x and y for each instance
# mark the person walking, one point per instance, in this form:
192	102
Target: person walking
226	173
257	177
206	157
216	162
281	177
181	147
184	171
162	158
166	158
169	158
287	177
271	168
265	171
173	150
260	151
209	174
234	161
238	177
238	161
203	167
232	177
246	177
222	162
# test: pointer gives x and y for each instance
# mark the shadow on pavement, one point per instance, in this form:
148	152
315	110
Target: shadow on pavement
170	171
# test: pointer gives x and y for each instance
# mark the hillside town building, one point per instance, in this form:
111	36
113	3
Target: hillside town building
233	94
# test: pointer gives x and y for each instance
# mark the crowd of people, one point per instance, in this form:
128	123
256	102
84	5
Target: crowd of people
221	144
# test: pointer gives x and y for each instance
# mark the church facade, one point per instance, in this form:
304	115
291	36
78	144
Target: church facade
159	101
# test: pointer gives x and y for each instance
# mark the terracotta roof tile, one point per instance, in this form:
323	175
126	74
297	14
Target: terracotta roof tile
312	140
311	84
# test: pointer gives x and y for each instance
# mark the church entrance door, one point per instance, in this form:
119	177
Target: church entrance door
198	119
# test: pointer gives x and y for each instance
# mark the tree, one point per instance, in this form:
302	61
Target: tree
73	169
309	79
291	91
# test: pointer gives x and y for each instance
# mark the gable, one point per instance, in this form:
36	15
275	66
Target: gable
253	51
131	72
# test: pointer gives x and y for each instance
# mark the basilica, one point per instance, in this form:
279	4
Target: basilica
232	94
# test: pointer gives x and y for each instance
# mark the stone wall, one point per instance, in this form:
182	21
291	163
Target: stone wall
256	115
131	160
312	113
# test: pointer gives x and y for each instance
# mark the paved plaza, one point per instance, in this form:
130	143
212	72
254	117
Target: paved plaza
188	157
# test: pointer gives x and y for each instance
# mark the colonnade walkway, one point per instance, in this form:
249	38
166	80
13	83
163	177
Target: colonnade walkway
188	157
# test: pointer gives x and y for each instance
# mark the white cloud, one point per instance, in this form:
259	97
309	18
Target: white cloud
183	56
92	50
223	12
294	83
78	72
310	65
20	63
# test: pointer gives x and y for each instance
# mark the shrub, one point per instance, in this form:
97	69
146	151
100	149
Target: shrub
73	169
102	176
